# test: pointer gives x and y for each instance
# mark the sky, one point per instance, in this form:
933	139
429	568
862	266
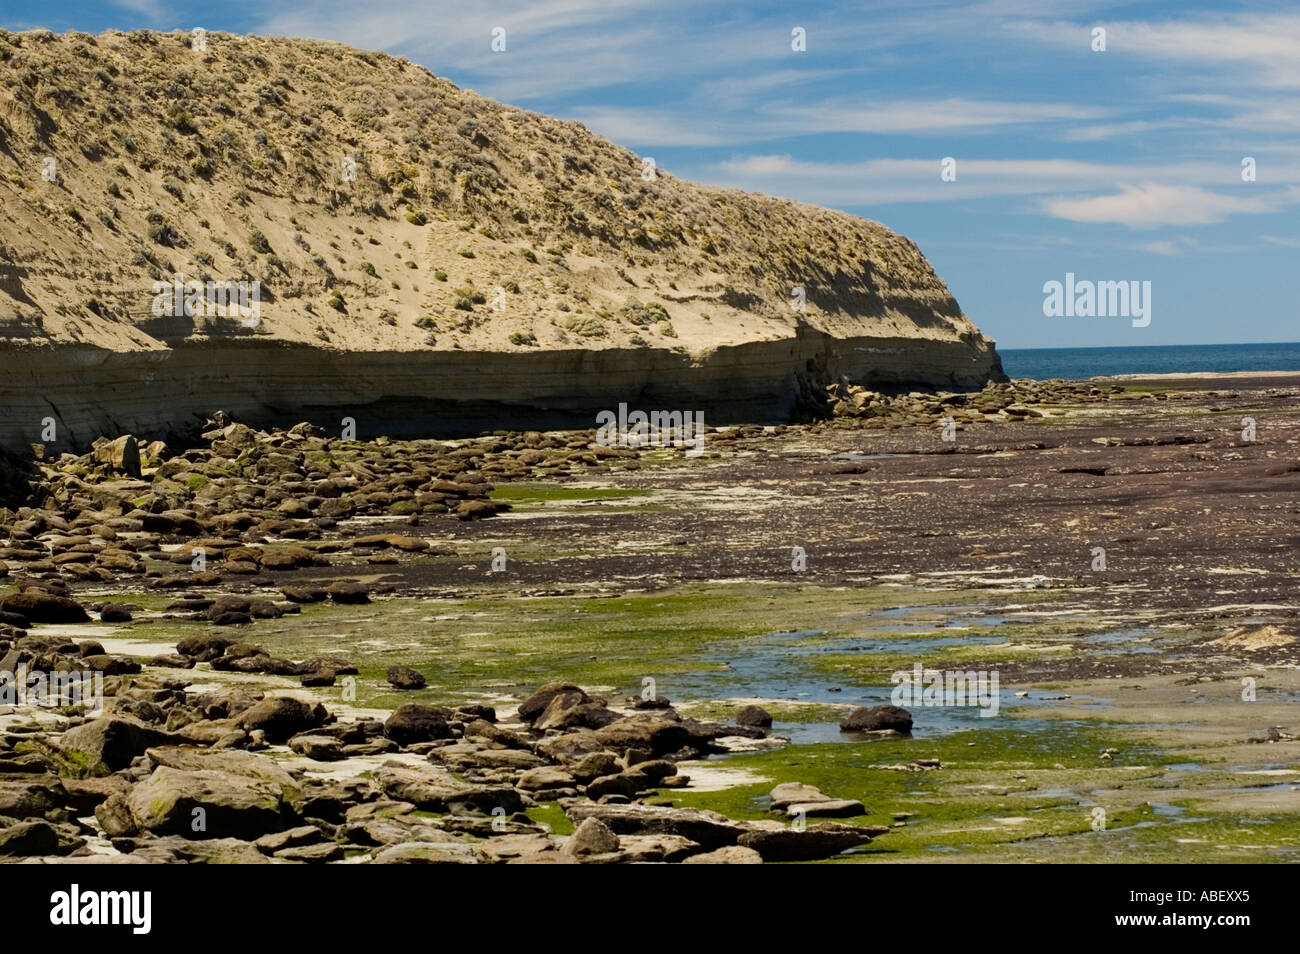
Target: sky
1115	164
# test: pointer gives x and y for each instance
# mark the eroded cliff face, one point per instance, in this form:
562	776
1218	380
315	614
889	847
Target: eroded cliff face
424	260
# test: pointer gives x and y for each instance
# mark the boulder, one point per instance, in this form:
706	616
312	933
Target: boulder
114	740
30	798
348	591
545	778
114	613
877	719
40	606
290	838
281	717
532	707
406	678
114	816
413	723
564	712
655	731
207	804
320	748
29	838
120	456
226	606
203	647
754	716
591	837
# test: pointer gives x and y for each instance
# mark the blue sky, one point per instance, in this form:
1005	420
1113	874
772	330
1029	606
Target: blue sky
1117	165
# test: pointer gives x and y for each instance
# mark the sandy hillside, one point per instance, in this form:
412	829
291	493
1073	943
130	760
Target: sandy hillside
386	211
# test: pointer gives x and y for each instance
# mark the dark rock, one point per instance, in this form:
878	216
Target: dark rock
754	716
29	838
226	605
202	647
38	606
877	719
413	723
281	717
305	594
114	613
111	665
404	677
348	591
536	704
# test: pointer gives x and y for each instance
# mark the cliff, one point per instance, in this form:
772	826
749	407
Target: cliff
420	258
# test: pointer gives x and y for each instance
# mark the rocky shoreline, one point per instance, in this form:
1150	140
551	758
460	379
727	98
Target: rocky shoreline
231	733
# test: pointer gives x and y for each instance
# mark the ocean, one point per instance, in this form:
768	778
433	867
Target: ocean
1078	363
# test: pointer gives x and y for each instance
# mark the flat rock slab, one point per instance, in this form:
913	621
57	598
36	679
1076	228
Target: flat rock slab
453	851
810	844
230	761
435	789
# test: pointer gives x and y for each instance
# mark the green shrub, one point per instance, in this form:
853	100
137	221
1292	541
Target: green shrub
642	315
584	325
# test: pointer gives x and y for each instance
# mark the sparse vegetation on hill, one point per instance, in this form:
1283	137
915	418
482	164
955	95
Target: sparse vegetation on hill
328	173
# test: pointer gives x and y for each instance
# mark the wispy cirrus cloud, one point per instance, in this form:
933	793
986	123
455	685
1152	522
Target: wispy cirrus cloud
929	118
153	9
1263	47
1153	205
1055	181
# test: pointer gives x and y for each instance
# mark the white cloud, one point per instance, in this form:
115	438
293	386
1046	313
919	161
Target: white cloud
649	126
153	9
1152	205
880	181
1265	47
1280	241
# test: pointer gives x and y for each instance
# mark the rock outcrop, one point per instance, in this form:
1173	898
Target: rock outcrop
413	256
